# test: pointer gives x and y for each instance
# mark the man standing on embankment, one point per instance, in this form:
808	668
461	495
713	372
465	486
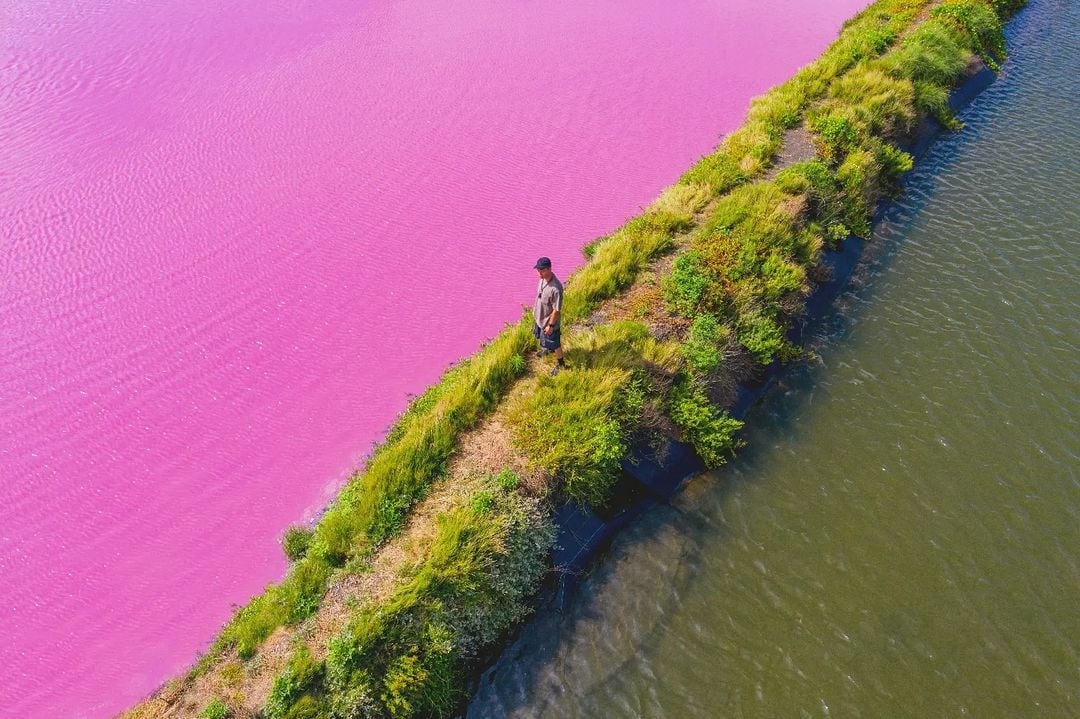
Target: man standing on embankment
547	311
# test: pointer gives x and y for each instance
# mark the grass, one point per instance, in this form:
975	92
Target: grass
745	275
578	425
216	709
296	542
741	282
405	656
710	430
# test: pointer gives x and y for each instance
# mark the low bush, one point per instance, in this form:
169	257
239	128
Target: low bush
302	676
573	426
763	337
296	542
577	425
404	657
688	284
709	430
216	709
704	347
979	23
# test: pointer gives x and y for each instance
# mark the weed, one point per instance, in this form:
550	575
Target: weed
517	365
507	480
979	23
301	675
483	502
688	283
296	542
703	349
710	431
763	336
216	709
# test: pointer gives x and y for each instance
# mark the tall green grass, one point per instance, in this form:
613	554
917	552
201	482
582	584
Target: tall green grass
405	655
579	424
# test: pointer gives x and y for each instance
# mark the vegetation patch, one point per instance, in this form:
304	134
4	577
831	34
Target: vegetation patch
578	424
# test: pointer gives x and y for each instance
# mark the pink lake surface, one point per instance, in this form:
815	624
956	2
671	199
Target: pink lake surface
237	236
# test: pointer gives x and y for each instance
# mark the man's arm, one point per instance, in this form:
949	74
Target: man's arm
552	321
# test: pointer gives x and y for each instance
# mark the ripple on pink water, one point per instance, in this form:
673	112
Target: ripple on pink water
237	237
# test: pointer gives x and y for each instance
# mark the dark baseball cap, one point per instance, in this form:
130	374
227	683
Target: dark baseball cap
543	263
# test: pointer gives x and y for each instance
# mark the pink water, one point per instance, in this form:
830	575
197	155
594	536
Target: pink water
237	236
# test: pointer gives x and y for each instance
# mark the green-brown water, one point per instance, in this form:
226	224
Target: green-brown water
902	536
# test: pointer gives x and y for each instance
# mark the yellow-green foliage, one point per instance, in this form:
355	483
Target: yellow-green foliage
710	430
577	424
404	656
704	347
216	709
754	249
978	23
618	258
302	677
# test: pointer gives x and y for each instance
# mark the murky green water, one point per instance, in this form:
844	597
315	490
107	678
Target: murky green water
902	537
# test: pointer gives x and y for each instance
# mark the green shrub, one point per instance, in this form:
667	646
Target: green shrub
704	347
933	100
834	134
572	427
352	696
1006	8
301	675
517	365
781	276
306	707
980	25
763	337
404	657
296	542
828	203
423	682
710	431
507	480
216	709
893	161
483	502
687	284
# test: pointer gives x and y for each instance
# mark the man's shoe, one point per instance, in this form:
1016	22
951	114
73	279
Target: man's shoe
542	352
555	370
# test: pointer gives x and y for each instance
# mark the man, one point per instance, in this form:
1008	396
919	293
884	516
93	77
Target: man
547	311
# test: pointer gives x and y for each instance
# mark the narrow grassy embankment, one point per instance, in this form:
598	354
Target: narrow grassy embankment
728	259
